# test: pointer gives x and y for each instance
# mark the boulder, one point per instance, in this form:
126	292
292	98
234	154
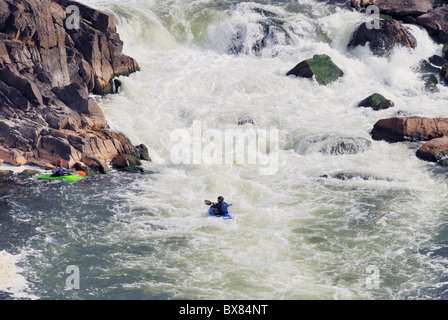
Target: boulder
436	22
382	41
430	14
377	102
93	164
445	51
410	129
399	8
434	150
142	152
127	163
320	66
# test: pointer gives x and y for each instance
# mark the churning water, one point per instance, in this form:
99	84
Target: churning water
338	205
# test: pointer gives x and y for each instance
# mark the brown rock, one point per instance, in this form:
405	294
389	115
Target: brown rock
46	74
13	156
410	129
431	150
436	22
381	41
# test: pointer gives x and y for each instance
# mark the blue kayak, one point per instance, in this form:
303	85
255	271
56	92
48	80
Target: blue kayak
225	216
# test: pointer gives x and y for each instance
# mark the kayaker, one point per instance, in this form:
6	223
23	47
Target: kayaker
59	170
219	207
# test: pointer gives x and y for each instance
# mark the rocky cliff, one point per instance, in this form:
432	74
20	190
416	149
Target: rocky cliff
49	63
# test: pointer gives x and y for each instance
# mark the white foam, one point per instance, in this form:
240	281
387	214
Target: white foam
11	281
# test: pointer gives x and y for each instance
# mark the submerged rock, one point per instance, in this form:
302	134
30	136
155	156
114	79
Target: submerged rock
333	144
431	70
377	102
383	40
320	66
245	119
28	173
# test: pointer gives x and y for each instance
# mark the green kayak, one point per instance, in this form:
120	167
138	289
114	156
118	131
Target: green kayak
69	178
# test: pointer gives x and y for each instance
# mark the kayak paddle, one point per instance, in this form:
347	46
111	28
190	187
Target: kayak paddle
208	203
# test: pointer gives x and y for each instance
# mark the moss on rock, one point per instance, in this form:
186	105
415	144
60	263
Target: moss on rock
321	67
377	102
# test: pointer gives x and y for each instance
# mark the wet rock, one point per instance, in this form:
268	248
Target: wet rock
445	51
245	119
377	102
28	173
6	175
434	150
142	152
383	40
94	165
436	22
333	144
254	36
430	14
320	66
127	163
410	129
47	72
437	60
444	73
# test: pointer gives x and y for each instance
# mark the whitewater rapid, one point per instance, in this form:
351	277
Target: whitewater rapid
309	231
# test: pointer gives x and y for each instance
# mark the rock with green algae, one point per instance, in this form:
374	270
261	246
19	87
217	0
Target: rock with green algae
377	102
320	66
28	173
126	162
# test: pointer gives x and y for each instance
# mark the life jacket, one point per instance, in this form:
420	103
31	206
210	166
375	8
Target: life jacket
220	208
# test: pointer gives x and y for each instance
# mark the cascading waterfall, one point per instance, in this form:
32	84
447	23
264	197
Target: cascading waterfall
337	204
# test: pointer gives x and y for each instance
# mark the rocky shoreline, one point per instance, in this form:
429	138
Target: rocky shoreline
47	72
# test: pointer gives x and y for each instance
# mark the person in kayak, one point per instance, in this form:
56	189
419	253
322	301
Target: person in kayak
59	170
220	207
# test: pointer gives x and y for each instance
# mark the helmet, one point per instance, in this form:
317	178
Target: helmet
221	198
59	162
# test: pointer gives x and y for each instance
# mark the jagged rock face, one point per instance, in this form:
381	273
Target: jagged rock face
46	74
